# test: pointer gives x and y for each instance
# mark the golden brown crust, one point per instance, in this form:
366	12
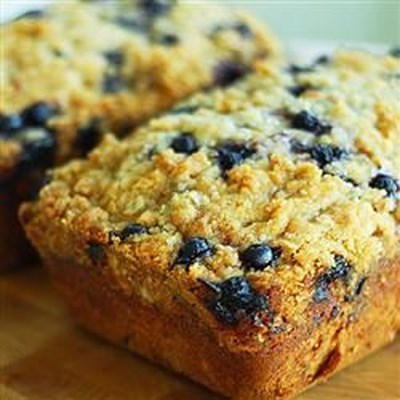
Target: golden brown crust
170	334
65	57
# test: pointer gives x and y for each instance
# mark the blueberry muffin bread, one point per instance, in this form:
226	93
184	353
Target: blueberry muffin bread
249	238
76	70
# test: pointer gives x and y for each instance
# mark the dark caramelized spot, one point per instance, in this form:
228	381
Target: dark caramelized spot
185	143
306	121
193	250
259	256
235	299
385	182
89	136
339	271
231	154
228	72
38	114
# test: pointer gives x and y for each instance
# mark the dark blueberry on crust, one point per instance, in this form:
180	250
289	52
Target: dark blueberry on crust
113	83
325	154
243	29
185	110
359	286
298	90
89	136
33	14
115	57
38	148
235	300
339	271
194	249
395	52
154	8
95	252
306	121
322	60
386	183
259	256
168	39
228	72
38	114
131	23
231	154
334	312
185	143
10	124
131	229
295	69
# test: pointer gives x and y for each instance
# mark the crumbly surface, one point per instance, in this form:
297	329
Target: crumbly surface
100	66
253	203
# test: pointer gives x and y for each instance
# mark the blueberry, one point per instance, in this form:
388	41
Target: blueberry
231	154
192	250
113	83
385	182
168	39
395	52
96	252
154	8
295	69
325	154
10	124
33	14
259	257
298	90
185	110
89	136
38	148
115	57
131	23
185	143
359	286
304	120
131	229
243	29
339	271
228	72
38	114
322	60
235	300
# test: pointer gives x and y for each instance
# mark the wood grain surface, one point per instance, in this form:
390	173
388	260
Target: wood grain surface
44	355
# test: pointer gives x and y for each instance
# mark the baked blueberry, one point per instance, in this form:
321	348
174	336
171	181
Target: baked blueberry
259	257
194	249
38	148
185	143
325	154
96	252
339	271
298	90
295	69
395	52
230	154
235	299
322	60
168	39
38	114
185	110
10	124
385	182
115	57
131	229
113	83
89	136
155	8
33	14
359	286
307	121
131	22
243	29
228	72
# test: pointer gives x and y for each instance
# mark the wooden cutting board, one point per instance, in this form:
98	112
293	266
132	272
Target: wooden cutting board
44	355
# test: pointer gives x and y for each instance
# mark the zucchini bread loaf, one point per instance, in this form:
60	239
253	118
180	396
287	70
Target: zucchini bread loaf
76	70
248	239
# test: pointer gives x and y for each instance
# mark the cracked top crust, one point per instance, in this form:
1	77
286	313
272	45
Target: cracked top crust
297	194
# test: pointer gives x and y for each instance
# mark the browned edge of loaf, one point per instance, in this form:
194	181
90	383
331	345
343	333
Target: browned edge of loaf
172	335
14	248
